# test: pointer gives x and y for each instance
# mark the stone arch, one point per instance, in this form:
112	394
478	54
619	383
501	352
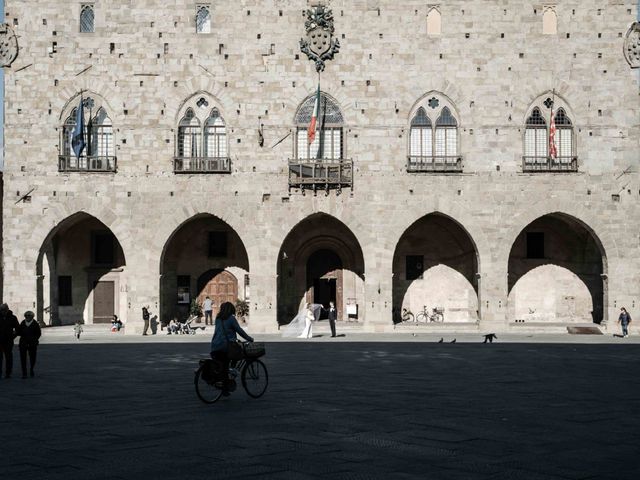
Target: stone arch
191	100
569	244
450	97
199	245
436	263
315	234
81	272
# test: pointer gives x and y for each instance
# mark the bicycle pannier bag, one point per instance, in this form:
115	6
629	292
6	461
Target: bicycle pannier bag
235	351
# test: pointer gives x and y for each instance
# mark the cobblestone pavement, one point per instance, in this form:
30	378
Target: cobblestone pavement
341	410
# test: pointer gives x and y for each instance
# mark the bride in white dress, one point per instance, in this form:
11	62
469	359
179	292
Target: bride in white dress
302	324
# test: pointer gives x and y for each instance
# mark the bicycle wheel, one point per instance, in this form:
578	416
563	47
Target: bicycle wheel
421	317
255	378
438	317
205	389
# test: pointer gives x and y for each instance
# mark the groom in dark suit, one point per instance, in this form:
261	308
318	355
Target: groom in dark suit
332	314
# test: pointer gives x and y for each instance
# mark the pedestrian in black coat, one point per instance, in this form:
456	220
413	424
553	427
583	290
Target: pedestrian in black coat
8	330
332	314
29	332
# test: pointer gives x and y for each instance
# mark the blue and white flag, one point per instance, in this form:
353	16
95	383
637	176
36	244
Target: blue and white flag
77	136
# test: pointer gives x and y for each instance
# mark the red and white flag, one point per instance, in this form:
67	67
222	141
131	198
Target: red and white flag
553	151
311	131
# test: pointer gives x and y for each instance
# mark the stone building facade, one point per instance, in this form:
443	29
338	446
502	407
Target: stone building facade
435	189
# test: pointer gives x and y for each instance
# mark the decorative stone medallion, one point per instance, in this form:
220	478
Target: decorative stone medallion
632	45
8	45
319	45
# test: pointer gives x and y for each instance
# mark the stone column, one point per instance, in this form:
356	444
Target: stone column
378	290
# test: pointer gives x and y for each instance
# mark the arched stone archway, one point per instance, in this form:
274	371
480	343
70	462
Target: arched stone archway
435	264
81	273
320	261
557	294
201	257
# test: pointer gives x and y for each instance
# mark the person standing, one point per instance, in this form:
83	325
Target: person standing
332	314
145	318
29	332
8	329
208	311
309	317
624	320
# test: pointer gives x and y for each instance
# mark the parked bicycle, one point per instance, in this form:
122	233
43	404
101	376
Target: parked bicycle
210	381
407	315
436	315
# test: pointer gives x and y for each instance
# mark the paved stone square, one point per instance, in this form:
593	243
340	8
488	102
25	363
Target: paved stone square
340	410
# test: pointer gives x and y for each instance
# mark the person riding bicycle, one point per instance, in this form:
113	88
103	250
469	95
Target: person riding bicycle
226	328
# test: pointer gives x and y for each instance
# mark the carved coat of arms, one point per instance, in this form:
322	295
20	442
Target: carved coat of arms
320	45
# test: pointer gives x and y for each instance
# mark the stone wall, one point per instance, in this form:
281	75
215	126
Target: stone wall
491	61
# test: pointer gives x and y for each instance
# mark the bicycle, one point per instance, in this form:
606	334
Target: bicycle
436	316
407	315
210	384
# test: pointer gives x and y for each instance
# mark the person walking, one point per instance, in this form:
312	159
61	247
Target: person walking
226	328
624	320
29	332
8	330
332	314
77	330
145	318
207	306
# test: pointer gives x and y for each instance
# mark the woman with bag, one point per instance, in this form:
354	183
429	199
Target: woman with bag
224	344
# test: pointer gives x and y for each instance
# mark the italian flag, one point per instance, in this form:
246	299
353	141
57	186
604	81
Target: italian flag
311	131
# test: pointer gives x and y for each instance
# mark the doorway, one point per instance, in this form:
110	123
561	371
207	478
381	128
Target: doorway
103	302
219	285
324	291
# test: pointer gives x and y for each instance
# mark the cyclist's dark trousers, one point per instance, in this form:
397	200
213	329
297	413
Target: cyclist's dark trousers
32	351
222	357
6	353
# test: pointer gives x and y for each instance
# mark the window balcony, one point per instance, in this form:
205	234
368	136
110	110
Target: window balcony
70	163
445	164
321	174
202	165
548	164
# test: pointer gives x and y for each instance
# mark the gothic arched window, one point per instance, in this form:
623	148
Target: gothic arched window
201	142
328	141
564	135
189	135
434	147
538	152
95	145
87	18
536	143
215	136
203	19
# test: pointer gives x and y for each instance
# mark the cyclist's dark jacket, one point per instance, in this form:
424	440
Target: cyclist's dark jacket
231	327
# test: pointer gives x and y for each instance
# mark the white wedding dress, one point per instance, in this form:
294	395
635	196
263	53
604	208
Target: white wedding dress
302	324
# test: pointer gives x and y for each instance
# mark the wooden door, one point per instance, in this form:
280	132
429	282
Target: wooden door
103	302
220	286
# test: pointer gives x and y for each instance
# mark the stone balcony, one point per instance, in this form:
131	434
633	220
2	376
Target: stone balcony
548	164
70	163
202	165
436	163
321	174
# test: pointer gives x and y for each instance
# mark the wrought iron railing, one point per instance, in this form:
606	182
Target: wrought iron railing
324	174
202	165
71	163
434	163
548	164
